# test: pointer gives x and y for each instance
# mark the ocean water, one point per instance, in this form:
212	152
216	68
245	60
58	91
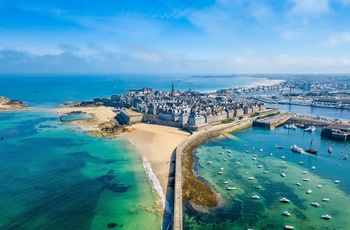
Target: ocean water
56	177
48	90
240	211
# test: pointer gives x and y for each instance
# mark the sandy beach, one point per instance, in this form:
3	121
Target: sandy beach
156	143
100	115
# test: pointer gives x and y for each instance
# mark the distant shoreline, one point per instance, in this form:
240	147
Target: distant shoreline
7	105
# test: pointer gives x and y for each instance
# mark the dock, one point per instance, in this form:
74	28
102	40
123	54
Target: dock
273	121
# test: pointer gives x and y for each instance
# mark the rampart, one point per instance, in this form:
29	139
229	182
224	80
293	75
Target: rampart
195	140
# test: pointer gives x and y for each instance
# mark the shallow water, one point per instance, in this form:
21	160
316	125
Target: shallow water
240	211
56	177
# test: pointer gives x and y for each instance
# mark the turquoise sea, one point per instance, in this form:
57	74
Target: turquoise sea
55	176
240	211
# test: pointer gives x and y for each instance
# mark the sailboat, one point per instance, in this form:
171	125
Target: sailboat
310	150
232	187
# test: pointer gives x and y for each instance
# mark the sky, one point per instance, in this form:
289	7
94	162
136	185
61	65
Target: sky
175	36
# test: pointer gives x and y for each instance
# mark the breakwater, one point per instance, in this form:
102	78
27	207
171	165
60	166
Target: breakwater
182	181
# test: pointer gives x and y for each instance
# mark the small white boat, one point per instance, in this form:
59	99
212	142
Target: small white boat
271	154
254	158
222	169
305	172
298	184
313	167
253	148
225	159
309	191
238	163
282	157
337	181
251	178
220	153
310	129
255	155
284	200
301	162
230	155
228	151
261	150
231	188
279	147
258	187
245	145
286	213
306	179
260	166
225	182
283	175
325	199
255	197
288	227
326	216
209	162
247	151
319	186
220	173
315	204
266	172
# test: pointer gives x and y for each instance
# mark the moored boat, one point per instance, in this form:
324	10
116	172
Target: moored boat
286	213
309	191
310	129
325	199
288	227
337	181
310	150
255	197
279	147
315	204
306	179
326	216
297	149
231	188
209	162
284	200
298	184
283	175
251	178
329	149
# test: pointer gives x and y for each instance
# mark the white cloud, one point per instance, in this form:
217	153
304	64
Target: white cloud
339	38
310	7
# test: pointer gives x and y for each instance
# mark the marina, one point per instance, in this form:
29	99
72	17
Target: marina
301	189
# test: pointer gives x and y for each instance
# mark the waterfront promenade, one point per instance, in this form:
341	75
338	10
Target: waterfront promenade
196	139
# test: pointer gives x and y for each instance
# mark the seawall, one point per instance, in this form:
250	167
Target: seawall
188	144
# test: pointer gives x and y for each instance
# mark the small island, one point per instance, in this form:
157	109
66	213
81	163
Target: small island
7	104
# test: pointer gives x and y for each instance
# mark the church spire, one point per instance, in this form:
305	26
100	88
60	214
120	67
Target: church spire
172	90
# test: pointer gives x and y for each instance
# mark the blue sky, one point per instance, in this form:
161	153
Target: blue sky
175	36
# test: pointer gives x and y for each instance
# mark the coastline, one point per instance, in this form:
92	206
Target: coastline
8	105
156	145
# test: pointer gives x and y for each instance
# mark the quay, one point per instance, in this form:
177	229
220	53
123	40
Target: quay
196	139
340	132
273	121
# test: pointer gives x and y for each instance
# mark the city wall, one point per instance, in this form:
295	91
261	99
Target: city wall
196	139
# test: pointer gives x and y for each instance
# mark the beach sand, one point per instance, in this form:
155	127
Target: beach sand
99	114
156	143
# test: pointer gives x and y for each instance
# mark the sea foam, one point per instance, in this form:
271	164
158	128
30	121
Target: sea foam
156	184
